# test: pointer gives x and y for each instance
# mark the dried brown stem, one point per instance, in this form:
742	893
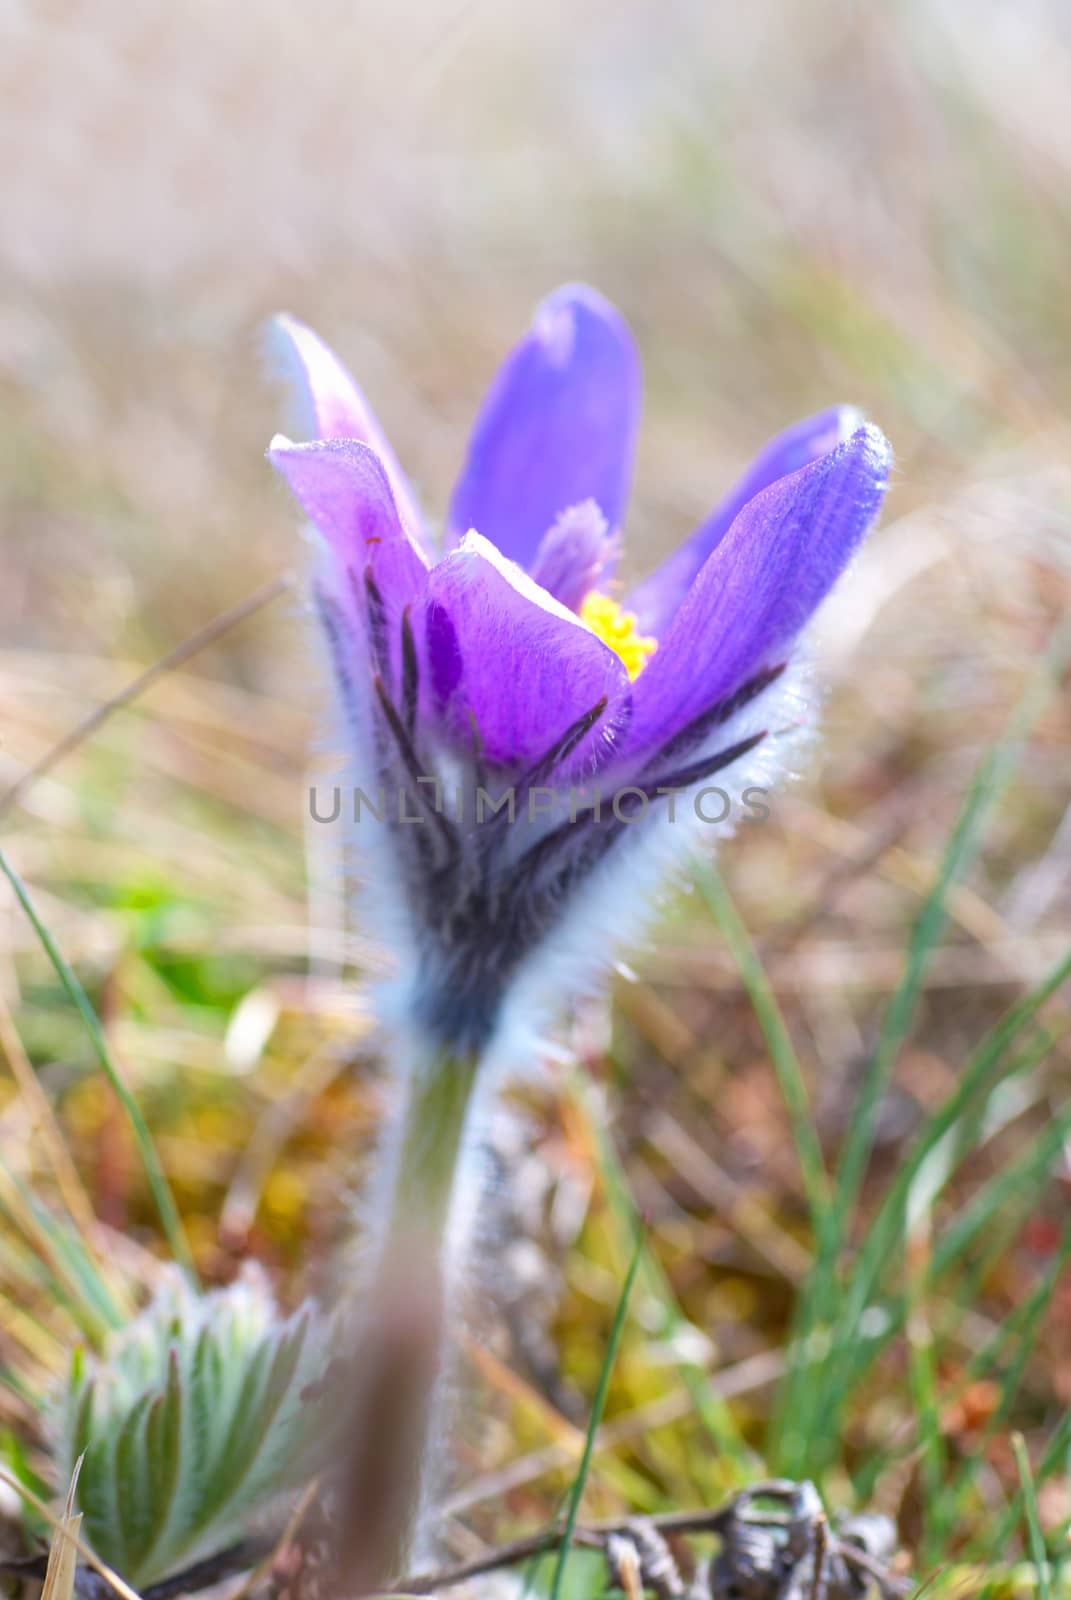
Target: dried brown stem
132	691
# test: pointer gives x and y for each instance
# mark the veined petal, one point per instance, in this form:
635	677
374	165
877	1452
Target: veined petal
574	554
375	569
558	427
656	599
772	569
333	406
505	656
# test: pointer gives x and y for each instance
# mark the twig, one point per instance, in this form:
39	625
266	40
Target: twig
177	657
92	1585
729	1382
114	1582
250	1553
821	1547
592	1536
318	1071
271	1546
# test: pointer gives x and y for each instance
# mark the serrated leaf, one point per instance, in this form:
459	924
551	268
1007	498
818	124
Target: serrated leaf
132	1471
242	1443
168	1470
279	1390
209	1418
99	1498
197	1415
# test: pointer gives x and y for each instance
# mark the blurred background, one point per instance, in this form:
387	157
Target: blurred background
794	205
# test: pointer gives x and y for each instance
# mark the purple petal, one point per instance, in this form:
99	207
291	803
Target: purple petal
780	558
503	655
574	554
557	427
656	599
333	407
375	570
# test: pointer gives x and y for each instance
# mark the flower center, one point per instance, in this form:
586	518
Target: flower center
617	628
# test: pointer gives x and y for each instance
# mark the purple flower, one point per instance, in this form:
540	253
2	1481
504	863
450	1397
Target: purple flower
541	729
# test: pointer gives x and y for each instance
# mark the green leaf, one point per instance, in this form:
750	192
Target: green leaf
778	1041
710	1408
1038	1553
133	1473
598	1405
168	1467
154	1172
991	779
194	1418
826	1326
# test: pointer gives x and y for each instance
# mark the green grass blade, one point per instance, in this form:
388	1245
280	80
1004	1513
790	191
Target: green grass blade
1023	1326
783	1057
1054	1459
1020	1329
987	787
923	1382
61	1253
598	1405
1015	1190
812	1399
1035	1537
828	1313
995	1213
154	1172
797	1393
982	1067
886	1235
710	1408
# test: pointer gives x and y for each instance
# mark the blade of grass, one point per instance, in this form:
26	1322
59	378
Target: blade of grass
927	1584
95	1308
806	1328
154	1172
13	1383
29	1086
816	1397
812	1388
923	1384
883	1246
1035	1537
783	1057
1053	1460
995	1212
35	1338
1025	1321
710	1408
991	779
61	1571
981	1066
1001	1234
1014	1189
576	1494
1019	1327
112	1579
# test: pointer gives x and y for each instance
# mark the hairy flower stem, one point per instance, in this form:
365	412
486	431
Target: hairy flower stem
400	1355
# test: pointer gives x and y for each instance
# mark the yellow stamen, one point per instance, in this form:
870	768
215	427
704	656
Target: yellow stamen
617	628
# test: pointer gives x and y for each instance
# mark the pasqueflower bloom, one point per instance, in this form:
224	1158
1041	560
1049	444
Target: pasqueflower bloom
534	740
535	733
